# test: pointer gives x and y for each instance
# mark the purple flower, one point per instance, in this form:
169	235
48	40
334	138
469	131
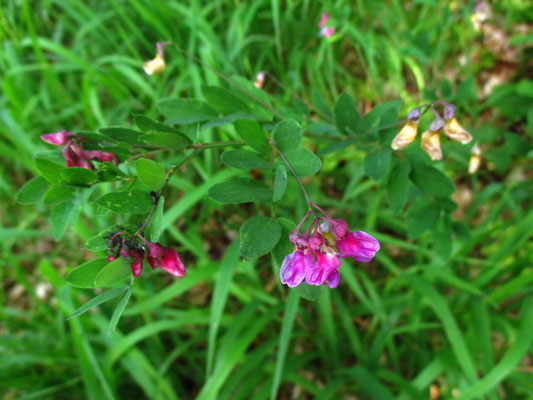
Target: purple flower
327	265
294	268
358	245
137	265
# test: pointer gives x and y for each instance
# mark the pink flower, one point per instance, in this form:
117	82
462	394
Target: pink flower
358	245
327	264
101	156
169	262
111	258
326	32
57	139
294	268
323	20
137	265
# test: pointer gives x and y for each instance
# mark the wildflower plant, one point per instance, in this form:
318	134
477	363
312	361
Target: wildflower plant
118	170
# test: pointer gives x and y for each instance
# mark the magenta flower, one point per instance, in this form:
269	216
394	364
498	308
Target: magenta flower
325	31
57	139
358	245
137	264
327	265
294	268
323	20
169	262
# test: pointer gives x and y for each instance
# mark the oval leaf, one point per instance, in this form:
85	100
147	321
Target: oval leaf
280	183
346	116
150	173
84	275
253	135
185	111
223	100
259	235
79	176
50	170
244	159
377	164
239	190
32	191
58	194
166	140
134	202
113	274
303	161
287	135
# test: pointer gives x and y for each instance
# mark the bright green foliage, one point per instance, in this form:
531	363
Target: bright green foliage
446	303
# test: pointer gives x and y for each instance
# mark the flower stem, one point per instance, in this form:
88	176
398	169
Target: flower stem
289	166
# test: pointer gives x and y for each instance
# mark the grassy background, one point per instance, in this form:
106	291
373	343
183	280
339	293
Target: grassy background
393	328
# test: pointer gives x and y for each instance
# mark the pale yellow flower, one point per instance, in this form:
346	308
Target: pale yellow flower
406	135
431	144
155	66
456	132
475	159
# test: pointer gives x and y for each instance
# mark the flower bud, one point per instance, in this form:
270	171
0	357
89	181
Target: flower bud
315	240
340	228
475	159
449	111
60	138
155	250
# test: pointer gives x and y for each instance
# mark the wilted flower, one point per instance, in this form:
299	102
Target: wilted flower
475	159
408	132
482	12
156	65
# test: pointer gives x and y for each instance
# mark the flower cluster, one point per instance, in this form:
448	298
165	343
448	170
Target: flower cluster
316	257
431	137
325	31
73	151
128	246
156	65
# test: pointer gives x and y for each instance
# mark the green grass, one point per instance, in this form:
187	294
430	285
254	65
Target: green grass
393	328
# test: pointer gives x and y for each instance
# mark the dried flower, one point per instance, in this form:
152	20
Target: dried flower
431	139
259	80
452	128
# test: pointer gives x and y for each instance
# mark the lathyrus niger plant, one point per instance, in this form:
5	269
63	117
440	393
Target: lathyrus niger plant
115	169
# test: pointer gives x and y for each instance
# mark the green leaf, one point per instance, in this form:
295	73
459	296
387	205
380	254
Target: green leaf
257	108
308	292
108	172
50	170
114	273
150	173
291	308
32	191
398	184
185	111
244	159
79	176
259	235
303	161
430	180
165	140
98	243
280	183
239	190
121	306
100	299
84	275
421	216
126	135
253	135
133	202
148	125
371	120
377	164
287	135
346	115
58	194
442	238
95	137
223	100
157	220
62	215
